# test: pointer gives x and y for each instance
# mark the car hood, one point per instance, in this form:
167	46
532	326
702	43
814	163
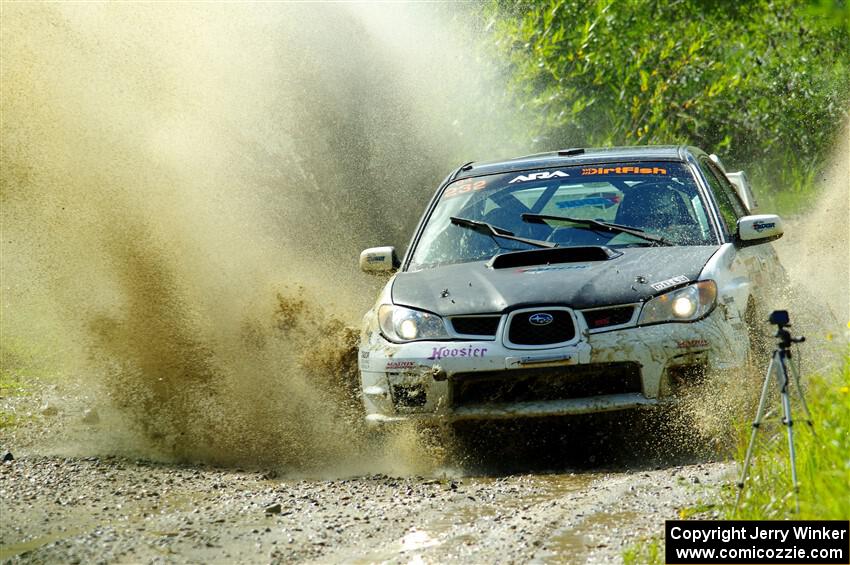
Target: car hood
470	288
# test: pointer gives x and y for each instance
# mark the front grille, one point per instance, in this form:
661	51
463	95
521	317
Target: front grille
476	325
544	383
608	316
524	332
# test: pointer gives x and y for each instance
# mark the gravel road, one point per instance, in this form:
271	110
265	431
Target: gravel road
565	507
105	510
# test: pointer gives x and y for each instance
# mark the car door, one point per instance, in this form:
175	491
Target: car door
758	263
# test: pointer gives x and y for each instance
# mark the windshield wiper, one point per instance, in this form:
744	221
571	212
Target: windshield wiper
495	231
605	226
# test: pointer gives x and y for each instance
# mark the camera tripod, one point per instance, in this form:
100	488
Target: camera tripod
780	363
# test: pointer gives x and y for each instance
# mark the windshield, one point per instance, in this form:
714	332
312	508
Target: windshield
659	199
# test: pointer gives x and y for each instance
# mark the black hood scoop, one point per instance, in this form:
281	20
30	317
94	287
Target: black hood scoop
553	255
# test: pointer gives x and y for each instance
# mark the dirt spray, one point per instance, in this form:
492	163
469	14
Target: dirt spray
175	176
816	247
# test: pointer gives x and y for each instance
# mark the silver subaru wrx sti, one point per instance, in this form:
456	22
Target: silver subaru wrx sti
586	280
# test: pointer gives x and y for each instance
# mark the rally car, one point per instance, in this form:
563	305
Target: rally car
579	281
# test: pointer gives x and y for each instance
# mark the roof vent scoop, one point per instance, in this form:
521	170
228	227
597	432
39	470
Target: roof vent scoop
572	151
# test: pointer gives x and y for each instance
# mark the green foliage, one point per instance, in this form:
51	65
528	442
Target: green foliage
10	386
19	357
7	419
21	364
648	552
766	83
823	460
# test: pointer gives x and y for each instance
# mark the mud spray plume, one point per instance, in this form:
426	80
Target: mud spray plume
815	251
185	189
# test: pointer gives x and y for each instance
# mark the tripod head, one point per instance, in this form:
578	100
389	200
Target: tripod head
782	321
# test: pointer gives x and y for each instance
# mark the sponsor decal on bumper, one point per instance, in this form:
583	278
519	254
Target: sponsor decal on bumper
468	351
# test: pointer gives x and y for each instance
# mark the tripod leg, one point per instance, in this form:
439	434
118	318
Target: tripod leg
796	374
782	374
756	424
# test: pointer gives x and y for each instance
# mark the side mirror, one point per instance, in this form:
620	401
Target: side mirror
379	260
753	230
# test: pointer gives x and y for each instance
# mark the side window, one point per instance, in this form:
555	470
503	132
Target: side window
730	208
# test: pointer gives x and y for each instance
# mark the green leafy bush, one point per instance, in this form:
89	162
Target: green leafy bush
765	83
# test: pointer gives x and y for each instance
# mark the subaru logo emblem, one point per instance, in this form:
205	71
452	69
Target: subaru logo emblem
541	319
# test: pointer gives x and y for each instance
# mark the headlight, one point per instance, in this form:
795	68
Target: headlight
684	305
403	324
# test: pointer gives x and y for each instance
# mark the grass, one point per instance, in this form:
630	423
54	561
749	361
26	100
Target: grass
823	466
791	192
20	364
647	552
10	385
823	458
7	419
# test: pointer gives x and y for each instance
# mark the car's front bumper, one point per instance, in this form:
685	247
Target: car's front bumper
437	380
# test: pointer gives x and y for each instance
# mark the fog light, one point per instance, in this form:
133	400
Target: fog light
410	396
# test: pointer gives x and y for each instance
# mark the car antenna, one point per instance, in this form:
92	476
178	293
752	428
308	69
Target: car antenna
571	151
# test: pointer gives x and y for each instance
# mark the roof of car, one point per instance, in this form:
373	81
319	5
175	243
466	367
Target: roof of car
579	156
